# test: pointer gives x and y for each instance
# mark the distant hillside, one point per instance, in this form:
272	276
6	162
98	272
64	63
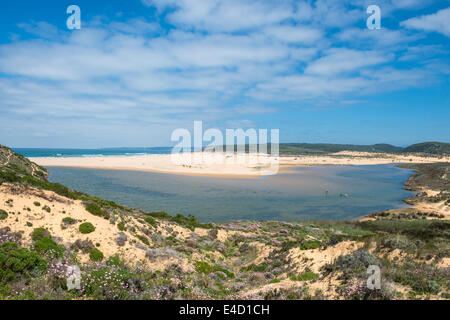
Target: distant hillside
322	148
429	147
12	163
432	148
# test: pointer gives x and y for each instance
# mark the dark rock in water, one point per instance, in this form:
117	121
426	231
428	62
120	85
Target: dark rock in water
121	239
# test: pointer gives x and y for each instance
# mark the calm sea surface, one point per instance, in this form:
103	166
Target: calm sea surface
67	153
291	196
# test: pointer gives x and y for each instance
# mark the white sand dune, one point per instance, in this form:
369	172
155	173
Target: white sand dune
229	165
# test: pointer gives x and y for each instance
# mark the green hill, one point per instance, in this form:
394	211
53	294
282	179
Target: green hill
12	163
432	148
322	148
429	147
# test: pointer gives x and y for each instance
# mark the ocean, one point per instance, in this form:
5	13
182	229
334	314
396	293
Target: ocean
42	152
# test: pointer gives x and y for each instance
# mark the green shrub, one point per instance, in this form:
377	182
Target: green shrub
151	221
115	261
86	228
359	259
143	239
276	280
306	276
37	203
310	245
190	221
48	246
203	267
69	220
421	277
40	233
3	214
47	208
17	262
256	268
96	255
121	226
160	215
172	239
96	210
29	224
221	269
107	283
416	229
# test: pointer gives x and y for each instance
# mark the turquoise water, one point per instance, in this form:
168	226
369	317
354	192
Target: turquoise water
42	152
292	196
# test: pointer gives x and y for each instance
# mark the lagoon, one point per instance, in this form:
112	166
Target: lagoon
294	196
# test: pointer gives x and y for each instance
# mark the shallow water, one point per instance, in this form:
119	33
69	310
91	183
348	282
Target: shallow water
291	196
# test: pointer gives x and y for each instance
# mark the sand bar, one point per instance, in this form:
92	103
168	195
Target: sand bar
226	165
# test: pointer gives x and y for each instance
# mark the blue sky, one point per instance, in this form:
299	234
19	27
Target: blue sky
139	69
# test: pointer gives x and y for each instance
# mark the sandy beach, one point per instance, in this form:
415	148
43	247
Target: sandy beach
226	165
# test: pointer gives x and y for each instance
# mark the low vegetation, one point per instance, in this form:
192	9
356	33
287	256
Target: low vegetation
86	228
96	255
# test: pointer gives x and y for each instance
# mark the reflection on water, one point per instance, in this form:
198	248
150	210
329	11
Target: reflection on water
292	196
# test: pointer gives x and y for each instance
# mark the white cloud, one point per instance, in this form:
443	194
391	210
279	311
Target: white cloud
438	22
41	29
410	4
338	61
219	15
376	38
295	34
